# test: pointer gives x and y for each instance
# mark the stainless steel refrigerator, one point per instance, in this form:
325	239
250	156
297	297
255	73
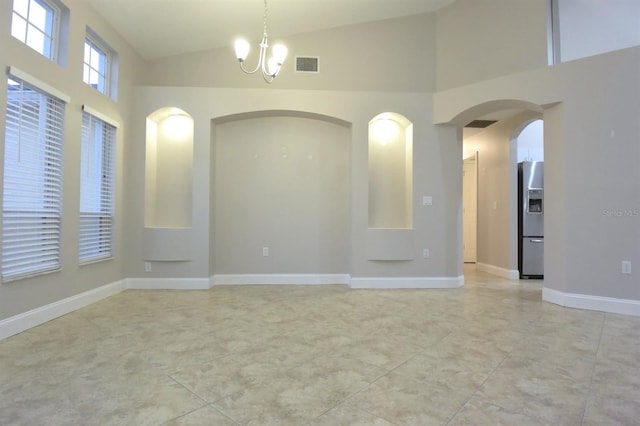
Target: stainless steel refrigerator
531	219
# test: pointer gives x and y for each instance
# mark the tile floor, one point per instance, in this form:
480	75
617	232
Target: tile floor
488	354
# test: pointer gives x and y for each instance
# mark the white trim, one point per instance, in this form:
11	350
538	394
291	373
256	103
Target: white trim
26	320
511	274
167	284
39	84
101	116
280	279
407	282
592	303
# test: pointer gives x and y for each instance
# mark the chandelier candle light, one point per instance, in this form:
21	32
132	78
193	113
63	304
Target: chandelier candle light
270	68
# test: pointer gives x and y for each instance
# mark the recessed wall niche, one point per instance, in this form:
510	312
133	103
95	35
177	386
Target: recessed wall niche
390	171
168	184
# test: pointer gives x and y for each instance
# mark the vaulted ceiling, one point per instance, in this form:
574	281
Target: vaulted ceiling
157	28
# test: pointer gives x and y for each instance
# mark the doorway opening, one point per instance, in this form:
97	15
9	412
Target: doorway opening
470	208
489	194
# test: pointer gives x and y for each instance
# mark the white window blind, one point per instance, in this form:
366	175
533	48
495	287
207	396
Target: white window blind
32	188
96	188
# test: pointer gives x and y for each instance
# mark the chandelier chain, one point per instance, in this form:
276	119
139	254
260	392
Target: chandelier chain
264	20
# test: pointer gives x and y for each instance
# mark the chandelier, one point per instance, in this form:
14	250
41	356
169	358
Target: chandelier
270	68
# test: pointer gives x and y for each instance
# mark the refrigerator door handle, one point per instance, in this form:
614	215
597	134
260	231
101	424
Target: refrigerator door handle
534	240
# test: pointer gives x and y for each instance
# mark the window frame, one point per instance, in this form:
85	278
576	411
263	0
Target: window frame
54	37
97	44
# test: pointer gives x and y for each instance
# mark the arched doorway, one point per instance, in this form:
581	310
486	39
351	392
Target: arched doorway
495	151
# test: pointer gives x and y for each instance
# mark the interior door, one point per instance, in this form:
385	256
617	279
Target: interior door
469	209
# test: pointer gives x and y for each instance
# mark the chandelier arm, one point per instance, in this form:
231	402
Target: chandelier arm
263	64
268	78
261	57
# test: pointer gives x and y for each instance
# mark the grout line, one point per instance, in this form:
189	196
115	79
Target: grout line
478	389
593	369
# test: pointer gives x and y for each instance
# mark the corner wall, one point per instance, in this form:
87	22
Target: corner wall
592	182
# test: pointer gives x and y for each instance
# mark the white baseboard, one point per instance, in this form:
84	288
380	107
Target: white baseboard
280	279
384	283
592	303
167	284
511	274
26	320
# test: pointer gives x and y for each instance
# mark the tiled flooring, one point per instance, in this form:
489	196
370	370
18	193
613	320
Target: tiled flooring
490	353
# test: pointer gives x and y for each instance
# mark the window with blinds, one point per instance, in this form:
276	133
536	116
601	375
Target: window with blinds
96	189
32	188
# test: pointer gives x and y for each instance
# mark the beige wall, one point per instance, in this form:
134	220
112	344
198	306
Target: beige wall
436	174
480	40
281	183
391	55
23	295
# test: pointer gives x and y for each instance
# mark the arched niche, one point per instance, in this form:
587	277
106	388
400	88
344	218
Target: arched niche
168	191
390	172
281	180
168	168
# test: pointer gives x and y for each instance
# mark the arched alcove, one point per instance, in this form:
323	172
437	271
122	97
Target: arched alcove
280	187
168	184
168	168
390	171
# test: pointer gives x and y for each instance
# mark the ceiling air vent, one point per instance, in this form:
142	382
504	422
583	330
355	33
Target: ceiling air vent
307	64
480	124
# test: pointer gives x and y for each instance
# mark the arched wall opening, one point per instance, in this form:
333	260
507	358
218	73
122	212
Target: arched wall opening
280	201
494	149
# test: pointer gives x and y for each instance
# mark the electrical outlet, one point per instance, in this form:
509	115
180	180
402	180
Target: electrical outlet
147	266
626	267
265	251
425	253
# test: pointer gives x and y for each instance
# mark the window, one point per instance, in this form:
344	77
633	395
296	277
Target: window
96	188
32	188
99	69
35	23
583	28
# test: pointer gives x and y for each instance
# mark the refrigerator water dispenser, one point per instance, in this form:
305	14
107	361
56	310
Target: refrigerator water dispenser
534	201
